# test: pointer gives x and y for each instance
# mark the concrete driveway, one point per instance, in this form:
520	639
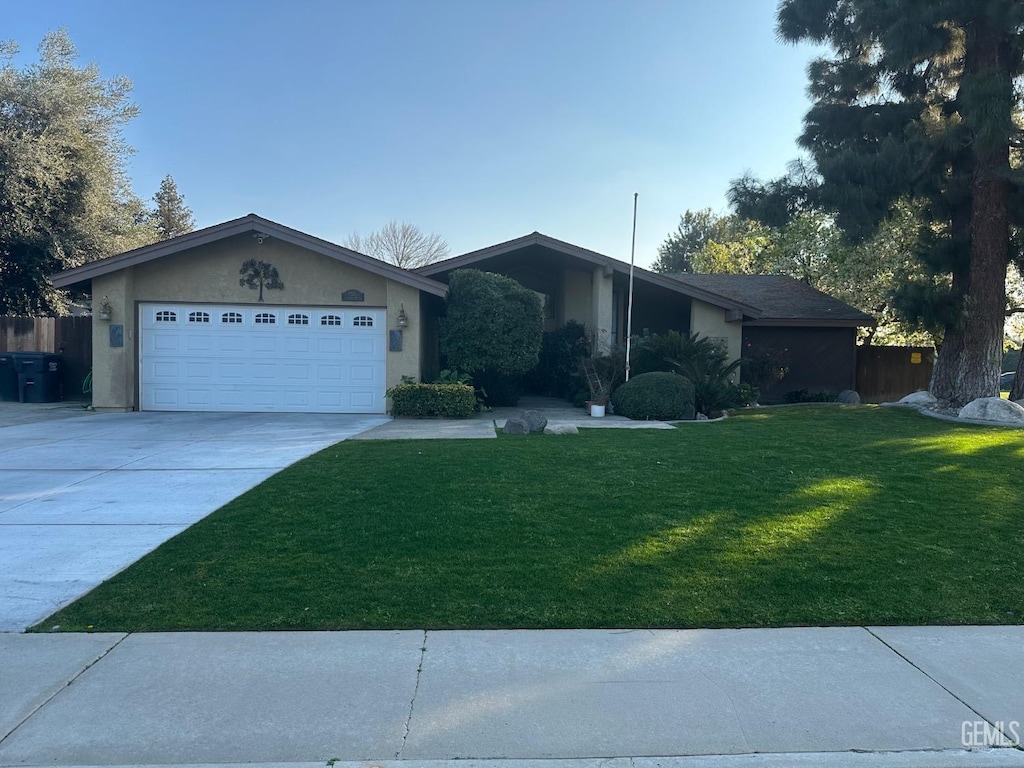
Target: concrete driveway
82	498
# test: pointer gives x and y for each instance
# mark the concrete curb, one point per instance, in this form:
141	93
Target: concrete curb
954	419
989	758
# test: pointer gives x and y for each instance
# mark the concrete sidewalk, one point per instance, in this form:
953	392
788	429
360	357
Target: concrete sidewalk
890	696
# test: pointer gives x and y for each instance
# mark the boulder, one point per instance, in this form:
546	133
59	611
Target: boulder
516	425
993	409
922	399
701	417
561	429
849	397
535	420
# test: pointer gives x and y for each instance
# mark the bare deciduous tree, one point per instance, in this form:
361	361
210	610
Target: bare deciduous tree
401	244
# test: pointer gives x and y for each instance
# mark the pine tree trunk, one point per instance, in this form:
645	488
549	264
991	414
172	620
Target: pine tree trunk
972	371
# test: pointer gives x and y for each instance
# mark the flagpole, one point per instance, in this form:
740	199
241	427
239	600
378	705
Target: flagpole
629	305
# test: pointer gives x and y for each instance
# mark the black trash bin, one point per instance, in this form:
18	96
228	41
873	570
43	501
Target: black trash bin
38	376
8	377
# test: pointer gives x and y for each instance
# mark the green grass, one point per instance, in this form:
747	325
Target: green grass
794	516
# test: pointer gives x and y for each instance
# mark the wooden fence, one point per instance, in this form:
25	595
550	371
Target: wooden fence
69	336
885	374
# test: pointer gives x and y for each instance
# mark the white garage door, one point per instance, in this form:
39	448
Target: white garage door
200	357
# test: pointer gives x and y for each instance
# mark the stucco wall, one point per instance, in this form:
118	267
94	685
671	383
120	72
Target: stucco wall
406	362
210	274
708	320
113	368
576	297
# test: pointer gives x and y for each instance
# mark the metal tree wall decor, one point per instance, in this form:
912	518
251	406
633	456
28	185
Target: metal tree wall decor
260	274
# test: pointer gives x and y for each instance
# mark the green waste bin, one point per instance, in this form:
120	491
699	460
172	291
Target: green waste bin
38	376
8	377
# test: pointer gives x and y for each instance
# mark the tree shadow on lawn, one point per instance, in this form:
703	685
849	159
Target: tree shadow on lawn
806	516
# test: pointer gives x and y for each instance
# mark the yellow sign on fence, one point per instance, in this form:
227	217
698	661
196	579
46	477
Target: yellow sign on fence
915	358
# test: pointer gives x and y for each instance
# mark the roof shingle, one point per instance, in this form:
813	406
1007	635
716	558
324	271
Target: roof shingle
779	297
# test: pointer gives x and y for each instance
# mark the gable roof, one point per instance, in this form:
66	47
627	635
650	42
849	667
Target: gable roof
246	224
592	257
782	300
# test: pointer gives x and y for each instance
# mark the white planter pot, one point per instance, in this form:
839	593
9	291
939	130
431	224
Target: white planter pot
597	411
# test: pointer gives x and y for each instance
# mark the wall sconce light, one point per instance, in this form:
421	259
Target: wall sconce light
105	310
260	237
403	319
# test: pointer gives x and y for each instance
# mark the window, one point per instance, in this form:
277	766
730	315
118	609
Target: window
166	317
330	320
362	321
199	317
298	319
265	318
231	317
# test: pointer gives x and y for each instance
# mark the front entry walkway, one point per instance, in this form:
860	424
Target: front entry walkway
485	425
82	498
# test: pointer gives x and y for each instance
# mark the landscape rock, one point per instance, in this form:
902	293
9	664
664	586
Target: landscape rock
561	429
701	417
535	420
516	425
922	399
993	409
849	397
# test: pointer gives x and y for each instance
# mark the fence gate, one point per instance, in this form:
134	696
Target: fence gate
69	336
886	374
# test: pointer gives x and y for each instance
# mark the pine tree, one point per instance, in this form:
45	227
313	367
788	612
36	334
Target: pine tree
171	216
917	103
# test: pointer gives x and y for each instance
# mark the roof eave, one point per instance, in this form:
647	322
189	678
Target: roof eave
811	322
593	257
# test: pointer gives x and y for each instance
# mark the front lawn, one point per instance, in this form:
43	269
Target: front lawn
790	516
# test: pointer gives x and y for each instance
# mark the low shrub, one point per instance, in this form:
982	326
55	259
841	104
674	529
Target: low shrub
449	401
803	396
657	395
746	394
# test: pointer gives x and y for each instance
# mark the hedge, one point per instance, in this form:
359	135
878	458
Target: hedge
449	401
658	395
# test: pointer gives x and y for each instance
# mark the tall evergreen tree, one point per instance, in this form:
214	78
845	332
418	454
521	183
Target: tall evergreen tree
917	102
171	216
64	192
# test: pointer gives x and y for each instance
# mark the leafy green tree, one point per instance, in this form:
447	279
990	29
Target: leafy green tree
917	101
706	242
493	327
171	216
65	198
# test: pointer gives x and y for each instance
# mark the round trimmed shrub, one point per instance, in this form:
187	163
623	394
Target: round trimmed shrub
657	395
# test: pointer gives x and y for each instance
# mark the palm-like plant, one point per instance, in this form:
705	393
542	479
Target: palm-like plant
706	364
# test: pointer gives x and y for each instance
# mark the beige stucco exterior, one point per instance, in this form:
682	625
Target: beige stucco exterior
210	274
708	320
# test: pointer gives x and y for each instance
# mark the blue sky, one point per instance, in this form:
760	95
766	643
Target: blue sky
476	119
